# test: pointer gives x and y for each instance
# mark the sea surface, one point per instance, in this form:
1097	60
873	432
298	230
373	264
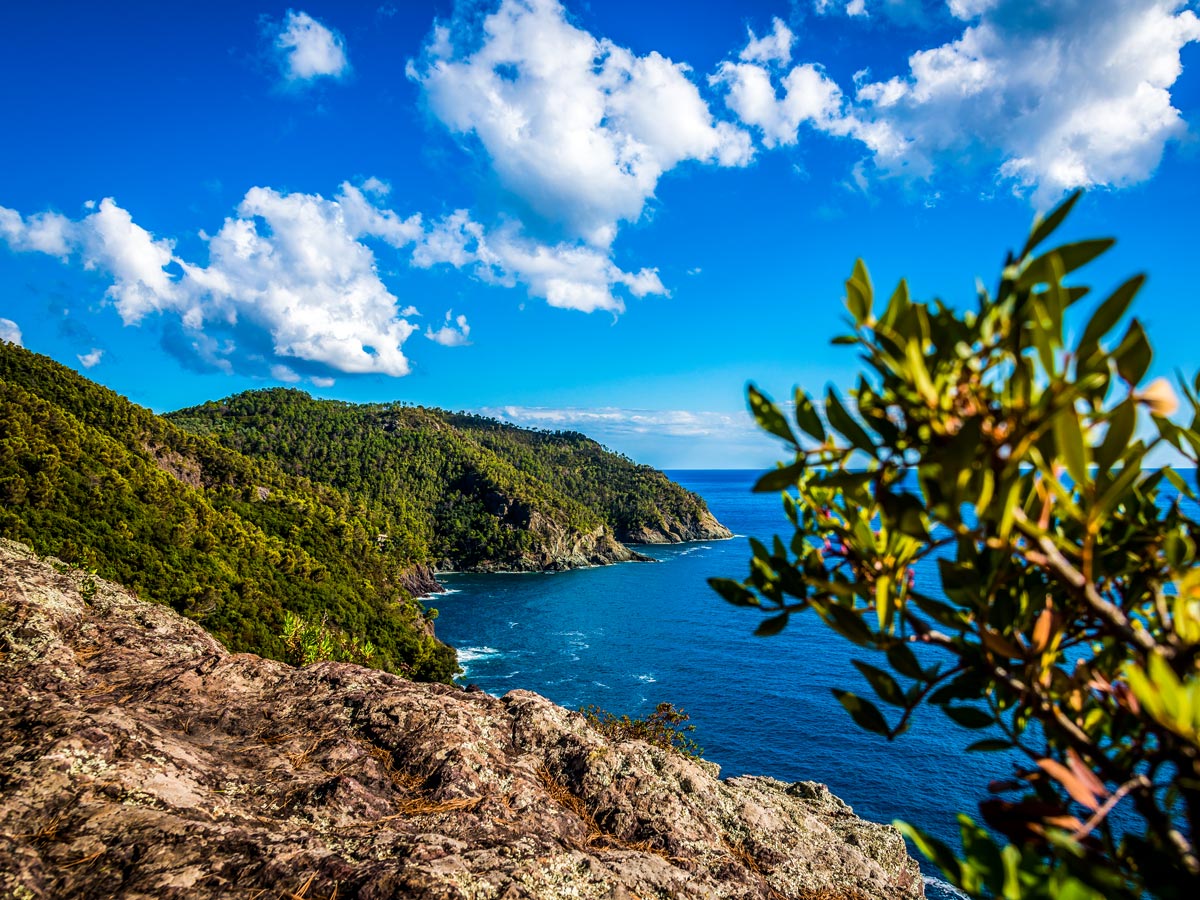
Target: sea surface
630	636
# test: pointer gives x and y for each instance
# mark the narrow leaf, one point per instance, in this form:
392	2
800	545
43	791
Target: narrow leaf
1044	227
807	417
882	683
1110	312
1071	256
771	626
1133	354
734	592
845	423
1068	438
768	415
968	716
864	713
778	479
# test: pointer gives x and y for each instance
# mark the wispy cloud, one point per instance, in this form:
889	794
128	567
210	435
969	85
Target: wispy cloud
91	359
622	421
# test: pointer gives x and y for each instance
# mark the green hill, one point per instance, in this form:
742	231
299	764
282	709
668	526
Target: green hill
480	494
230	541
271	508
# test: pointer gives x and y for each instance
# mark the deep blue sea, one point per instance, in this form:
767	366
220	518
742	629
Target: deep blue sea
630	636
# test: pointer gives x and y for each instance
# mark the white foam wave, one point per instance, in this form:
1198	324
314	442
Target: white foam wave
468	655
944	887
646	679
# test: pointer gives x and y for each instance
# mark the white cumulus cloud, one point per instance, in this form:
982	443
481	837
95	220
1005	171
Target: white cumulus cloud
288	275
294	265
1064	95
775	47
9	331
566	275
1054	95
454	333
308	49
576	126
292	288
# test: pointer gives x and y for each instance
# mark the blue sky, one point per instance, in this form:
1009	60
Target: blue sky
603	216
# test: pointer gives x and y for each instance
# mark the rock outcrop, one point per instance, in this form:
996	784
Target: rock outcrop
673	530
556	548
138	758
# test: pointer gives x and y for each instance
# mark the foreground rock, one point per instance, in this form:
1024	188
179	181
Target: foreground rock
138	758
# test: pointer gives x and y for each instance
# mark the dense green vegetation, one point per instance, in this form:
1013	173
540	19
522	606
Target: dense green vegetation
229	541
469	490
627	496
283	523
1014	454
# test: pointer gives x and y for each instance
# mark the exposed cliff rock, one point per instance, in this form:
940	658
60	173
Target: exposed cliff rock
556	548
701	526
138	758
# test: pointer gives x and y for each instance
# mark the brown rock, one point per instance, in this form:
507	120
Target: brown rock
140	759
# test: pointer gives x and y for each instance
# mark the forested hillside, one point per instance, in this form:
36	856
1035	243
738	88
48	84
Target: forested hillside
229	541
480	493
638	502
240	512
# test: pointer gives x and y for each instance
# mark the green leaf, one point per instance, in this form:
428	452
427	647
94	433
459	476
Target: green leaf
940	612
1121	423
1071	257
1044	227
846	623
768	416
859	293
1110	312
934	850
1180	485
733	591
882	683
807	417
1068	438
903	660
865	714
846	425
968	716
779	479
1133	354
771	626
856	301
991	745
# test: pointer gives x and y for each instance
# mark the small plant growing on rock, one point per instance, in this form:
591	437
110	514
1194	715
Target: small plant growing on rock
665	727
307	643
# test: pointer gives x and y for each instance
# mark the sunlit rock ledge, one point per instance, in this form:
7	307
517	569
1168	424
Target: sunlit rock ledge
140	759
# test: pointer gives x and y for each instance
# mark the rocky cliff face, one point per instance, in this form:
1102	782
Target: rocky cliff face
673	530
138	758
556	548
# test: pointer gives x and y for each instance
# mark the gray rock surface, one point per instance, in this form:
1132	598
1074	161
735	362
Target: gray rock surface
139	759
672	530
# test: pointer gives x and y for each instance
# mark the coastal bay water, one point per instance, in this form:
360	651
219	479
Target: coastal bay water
630	636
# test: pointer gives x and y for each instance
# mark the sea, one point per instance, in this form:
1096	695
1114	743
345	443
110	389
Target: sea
628	637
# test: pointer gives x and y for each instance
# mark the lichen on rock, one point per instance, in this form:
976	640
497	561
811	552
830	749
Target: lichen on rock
139	758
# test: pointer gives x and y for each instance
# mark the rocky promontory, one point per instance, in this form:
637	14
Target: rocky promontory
698	525
139	758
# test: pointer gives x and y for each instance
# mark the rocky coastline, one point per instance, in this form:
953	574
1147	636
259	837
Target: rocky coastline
139	758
